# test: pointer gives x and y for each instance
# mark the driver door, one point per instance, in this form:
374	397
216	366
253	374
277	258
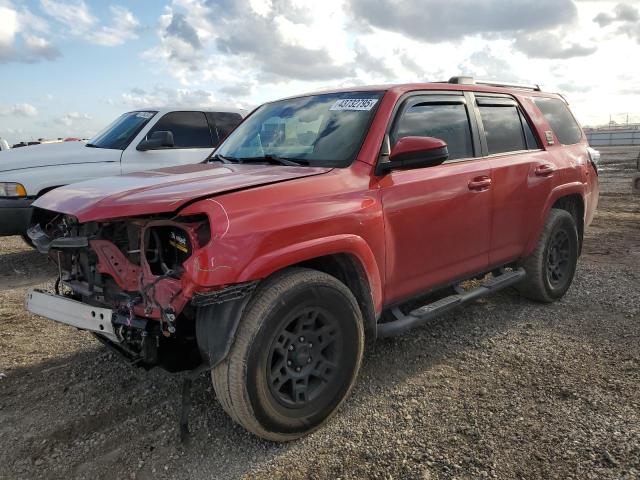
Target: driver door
437	219
193	143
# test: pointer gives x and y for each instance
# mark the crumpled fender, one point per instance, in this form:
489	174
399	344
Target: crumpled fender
295	253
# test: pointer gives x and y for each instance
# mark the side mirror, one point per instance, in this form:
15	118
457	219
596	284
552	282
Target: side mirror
416	152
157	141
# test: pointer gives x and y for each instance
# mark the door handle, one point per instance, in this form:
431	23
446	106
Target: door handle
545	170
480	184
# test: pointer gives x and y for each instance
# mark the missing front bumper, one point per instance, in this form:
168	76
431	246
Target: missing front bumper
72	312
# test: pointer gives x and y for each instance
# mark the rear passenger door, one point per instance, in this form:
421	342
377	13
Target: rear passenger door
193	139
522	174
437	219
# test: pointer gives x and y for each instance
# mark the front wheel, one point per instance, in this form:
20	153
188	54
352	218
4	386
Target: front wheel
295	358
552	265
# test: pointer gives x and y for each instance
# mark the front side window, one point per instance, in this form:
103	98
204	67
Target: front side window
503	128
325	129
190	129
224	123
559	117
446	122
122	131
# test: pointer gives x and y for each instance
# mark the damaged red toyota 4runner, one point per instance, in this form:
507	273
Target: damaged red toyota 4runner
322	222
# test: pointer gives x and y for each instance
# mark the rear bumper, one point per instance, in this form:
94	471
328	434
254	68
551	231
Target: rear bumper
72	312
15	215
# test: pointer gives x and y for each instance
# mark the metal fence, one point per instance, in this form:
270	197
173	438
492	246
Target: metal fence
612	136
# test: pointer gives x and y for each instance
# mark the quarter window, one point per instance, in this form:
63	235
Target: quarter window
190	129
559	117
502	128
446	122
532	141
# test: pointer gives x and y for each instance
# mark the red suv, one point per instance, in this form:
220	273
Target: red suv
323	221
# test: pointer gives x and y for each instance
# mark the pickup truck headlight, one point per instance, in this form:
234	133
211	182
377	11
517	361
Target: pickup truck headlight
10	189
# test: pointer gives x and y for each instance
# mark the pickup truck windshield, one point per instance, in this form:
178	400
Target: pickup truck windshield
316	130
120	133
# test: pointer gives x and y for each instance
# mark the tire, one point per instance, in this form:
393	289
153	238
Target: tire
551	266
295	358
27	240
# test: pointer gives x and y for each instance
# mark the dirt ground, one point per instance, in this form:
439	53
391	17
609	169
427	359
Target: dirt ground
503	388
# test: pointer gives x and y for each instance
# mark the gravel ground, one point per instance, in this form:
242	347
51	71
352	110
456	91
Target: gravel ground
502	388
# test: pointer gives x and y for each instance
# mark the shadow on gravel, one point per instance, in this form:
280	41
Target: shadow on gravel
108	418
92	415
28	267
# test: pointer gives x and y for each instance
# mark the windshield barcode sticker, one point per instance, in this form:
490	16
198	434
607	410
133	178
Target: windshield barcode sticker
354	104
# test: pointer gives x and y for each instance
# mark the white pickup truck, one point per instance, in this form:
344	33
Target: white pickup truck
138	140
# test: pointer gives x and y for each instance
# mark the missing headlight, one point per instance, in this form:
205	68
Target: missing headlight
168	247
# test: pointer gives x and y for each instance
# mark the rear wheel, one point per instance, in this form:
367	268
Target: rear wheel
295	358
552	265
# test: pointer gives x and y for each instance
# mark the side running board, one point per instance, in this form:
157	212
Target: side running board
428	312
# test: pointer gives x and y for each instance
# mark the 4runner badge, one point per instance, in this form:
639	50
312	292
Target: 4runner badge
549	136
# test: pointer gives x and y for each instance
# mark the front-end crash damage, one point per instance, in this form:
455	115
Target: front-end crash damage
145	271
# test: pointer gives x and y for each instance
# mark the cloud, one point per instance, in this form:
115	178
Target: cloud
272	41
626	17
19	110
79	21
72	118
37	48
18	42
74	15
180	28
551	45
447	20
124	27
160	96
485	64
371	64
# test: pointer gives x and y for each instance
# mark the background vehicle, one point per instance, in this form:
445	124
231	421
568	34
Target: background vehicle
635	185
138	140
322	221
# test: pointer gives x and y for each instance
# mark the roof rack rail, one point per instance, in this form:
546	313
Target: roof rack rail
493	83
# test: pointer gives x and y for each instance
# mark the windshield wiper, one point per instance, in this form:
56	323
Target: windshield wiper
291	162
220	158
90	145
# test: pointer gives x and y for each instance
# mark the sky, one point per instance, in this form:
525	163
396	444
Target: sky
70	67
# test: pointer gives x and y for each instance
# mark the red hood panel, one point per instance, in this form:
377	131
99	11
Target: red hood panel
163	190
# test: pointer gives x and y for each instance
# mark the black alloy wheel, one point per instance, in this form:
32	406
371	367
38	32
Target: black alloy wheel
559	258
304	357
296	355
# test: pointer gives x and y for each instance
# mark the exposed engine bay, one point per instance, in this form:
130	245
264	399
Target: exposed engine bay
135	268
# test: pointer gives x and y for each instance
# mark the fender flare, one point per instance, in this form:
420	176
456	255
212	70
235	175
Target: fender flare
299	252
216	325
564	190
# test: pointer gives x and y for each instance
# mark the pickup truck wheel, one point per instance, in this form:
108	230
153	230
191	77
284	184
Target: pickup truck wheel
552	265
27	240
296	355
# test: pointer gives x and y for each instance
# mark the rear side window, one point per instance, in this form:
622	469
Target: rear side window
503	128
446	122
190	129
223	123
559	117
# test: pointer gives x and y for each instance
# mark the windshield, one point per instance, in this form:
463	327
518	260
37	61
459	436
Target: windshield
120	133
323	130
